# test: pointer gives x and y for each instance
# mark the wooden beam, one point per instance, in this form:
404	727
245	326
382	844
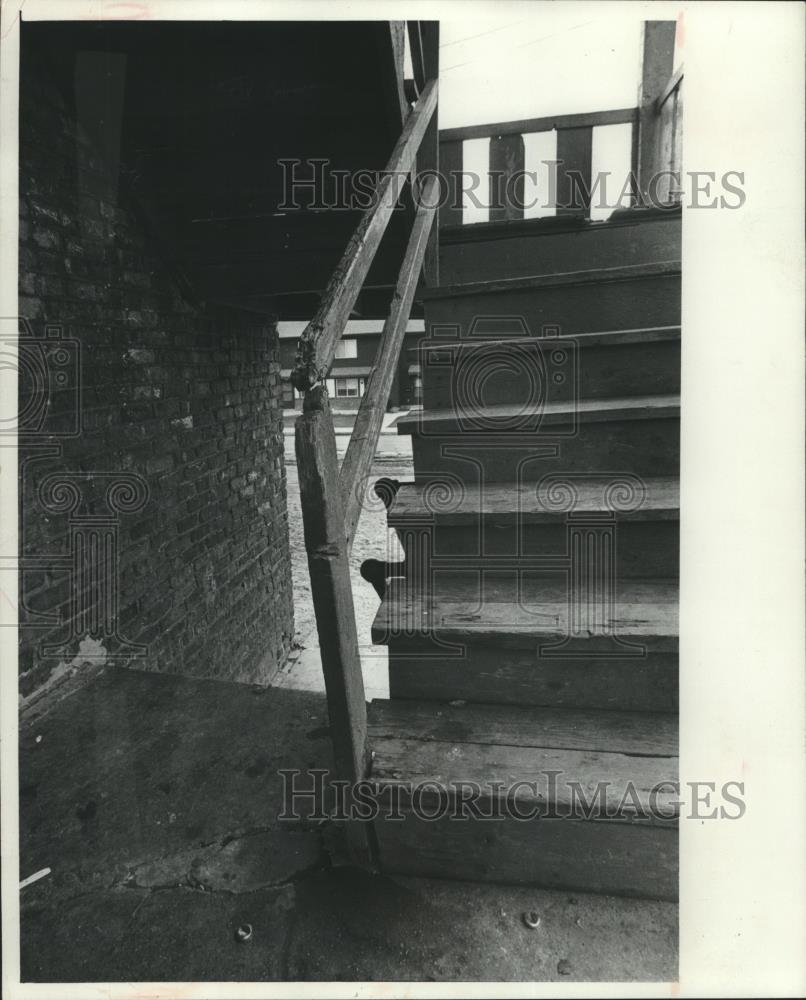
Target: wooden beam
369	420
574	150
507	161
428	157
326	546
416	49
658	64
524	126
317	345
666	189
392	47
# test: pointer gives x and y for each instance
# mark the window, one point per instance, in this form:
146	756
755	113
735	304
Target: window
347	349
346	387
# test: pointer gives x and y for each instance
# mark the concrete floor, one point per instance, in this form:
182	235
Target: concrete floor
154	800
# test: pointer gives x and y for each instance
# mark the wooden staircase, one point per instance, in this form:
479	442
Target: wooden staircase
531	730
533	637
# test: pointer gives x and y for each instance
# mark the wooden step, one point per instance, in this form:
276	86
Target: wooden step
573	302
490	371
515	611
493	637
509	521
537	764
510	504
525	443
507	249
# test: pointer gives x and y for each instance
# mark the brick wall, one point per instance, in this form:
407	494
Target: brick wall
179	406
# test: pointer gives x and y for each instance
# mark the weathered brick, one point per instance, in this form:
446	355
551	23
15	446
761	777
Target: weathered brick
170	391
48	239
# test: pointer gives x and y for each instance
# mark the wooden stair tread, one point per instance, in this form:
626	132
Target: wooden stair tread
633	733
518	616
530	503
586	411
604	338
406	753
588	276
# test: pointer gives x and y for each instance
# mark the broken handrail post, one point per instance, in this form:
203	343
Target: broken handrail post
332	593
326	548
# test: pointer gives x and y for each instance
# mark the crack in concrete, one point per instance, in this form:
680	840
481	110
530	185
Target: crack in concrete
188	880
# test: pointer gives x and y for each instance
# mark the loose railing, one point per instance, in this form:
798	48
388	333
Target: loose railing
332	497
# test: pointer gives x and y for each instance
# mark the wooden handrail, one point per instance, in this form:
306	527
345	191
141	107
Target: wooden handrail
656	69
317	345
331	499
428	155
416	49
674	82
357	461
524	126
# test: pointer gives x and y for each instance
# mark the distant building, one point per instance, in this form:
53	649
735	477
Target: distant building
355	356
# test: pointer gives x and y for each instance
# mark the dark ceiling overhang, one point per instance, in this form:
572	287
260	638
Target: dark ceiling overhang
204	113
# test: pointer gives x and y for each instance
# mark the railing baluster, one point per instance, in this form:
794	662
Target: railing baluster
574	151
507	160
507	155
450	166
